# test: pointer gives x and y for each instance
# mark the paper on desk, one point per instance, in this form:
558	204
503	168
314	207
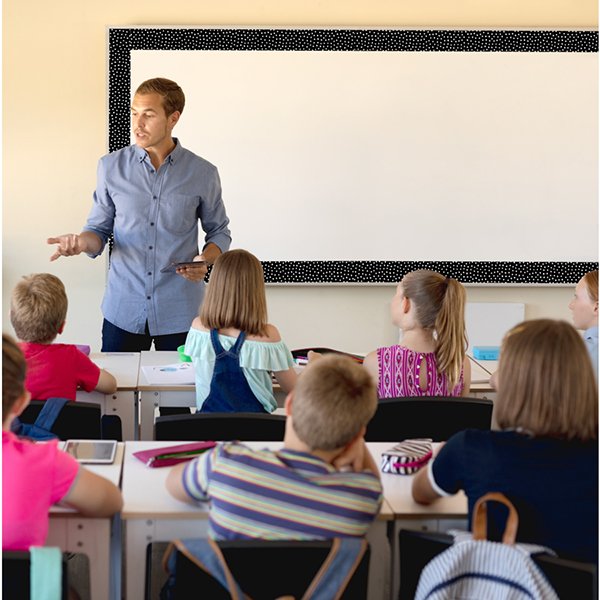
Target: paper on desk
175	374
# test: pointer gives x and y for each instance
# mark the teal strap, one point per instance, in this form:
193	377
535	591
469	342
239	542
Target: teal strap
50	412
46	573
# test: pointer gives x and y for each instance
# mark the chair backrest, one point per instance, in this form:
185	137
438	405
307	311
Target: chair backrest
16	582
77	420
435	417
287	568
571	580
220	427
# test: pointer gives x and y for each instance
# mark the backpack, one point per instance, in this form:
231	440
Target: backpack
40	429
328	584
475	568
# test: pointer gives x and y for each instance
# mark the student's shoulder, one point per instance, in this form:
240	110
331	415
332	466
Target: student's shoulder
198	325
271	335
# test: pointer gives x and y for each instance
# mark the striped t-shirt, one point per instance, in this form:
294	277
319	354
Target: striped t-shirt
281	494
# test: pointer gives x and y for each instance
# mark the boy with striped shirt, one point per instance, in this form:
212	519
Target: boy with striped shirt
324	483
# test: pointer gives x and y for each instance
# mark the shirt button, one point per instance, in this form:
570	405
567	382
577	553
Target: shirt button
151	224
149	272
154	197
147	297
149	247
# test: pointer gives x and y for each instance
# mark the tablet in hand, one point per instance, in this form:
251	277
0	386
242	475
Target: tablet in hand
173	266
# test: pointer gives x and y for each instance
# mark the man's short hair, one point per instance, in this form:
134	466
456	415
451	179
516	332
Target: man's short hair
173	98
38	308
333	399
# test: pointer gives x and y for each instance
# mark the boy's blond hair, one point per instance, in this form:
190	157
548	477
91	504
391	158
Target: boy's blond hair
13	374
173	98
546	384
38	308
333	399
235	296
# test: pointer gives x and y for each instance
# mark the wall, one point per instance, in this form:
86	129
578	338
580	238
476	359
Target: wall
54	130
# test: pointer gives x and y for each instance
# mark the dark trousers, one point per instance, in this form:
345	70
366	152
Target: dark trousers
115	339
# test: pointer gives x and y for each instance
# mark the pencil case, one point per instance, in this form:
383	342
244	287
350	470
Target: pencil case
407	457
172	455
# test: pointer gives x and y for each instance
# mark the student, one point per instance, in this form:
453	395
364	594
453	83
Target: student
584	307
37	475
37	312
323	483
429	309
233	348
543	452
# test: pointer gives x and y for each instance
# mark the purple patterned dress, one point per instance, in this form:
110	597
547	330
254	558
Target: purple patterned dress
399	374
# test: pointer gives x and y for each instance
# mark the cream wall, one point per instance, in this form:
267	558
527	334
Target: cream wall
55	129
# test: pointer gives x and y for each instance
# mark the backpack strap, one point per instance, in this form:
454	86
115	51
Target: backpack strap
480	518
45	573
49	413
338	568
206	554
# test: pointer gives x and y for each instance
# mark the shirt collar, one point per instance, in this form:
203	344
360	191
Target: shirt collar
591	332
172	158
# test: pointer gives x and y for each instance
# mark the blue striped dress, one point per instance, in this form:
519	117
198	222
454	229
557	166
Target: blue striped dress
281	494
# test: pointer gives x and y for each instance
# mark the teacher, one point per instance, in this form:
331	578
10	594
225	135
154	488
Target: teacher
150	197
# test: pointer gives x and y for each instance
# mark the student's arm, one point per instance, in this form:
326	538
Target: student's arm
466	376
107	384
357	456
93	496
286	379
371	364
175	484
72	244
422	490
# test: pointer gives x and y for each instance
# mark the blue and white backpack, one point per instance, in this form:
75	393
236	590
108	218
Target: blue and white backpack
474	568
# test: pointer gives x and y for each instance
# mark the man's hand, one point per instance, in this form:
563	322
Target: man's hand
69	244
194	272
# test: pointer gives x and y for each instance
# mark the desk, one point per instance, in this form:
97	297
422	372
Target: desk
480	378
151	396
151	514
123	403
445	513
72	532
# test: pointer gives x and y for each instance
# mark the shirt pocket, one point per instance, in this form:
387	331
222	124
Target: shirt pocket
178	213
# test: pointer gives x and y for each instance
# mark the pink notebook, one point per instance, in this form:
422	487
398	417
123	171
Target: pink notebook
172	455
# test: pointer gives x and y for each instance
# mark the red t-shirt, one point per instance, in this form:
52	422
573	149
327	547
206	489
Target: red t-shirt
34	477
58	370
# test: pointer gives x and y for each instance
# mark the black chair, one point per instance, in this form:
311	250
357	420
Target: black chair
571	580
16	576
435	417
288	567
220	427
77	420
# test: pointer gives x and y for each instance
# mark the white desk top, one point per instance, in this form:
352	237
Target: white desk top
397	492
124	366
145	494
111	472
158	358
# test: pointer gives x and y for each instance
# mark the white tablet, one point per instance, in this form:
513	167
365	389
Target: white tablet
92	451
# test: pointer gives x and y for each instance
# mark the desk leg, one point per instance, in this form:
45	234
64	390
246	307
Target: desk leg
379	564
149	401
123	404
92	538
141	532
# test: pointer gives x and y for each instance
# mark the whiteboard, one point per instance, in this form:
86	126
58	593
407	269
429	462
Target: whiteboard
363	157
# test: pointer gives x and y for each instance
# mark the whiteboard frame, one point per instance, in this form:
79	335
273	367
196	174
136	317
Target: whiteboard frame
122	41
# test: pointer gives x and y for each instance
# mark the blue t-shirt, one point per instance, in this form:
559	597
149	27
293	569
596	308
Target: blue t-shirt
552	483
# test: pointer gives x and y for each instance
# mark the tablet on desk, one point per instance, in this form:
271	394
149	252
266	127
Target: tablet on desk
92	451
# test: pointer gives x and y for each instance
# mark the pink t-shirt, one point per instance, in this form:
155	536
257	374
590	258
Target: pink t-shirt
399	369
58	370
34	477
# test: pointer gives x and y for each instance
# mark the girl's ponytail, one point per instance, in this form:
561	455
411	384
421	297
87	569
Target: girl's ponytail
451	333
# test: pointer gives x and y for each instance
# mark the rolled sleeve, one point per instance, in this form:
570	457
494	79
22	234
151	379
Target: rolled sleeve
102	215
213	217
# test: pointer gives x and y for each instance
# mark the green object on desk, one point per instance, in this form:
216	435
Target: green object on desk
183	357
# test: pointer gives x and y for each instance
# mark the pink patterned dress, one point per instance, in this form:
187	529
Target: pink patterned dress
399	374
